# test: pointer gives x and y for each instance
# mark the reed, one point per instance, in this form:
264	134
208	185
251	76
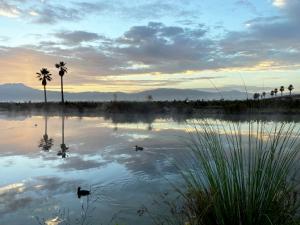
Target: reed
242	178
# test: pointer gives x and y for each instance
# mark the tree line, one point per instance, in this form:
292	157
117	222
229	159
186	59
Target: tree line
45	76
274	92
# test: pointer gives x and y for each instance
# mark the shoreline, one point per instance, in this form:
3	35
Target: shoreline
266	110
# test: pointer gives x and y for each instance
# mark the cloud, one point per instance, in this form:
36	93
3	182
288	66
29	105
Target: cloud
9	200
248	4
18	196
279	3
156	48
153	48
157	9
44	12
166	49
52	12
9	10
77	163
270	39
77	37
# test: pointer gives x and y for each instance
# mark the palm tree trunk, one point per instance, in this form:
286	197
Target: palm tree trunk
290	92
45	94
62	89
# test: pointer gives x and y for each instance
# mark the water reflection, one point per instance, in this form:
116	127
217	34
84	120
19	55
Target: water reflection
46	143
63	147
115	127
117	119
150	127
127	179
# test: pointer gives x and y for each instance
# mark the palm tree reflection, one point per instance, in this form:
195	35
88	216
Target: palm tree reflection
46	143
115	127
150	127
63	148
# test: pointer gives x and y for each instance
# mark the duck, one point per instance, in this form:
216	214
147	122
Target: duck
138	148
82	192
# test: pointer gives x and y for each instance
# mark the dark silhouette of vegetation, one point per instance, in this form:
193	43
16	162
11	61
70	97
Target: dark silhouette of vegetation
62	71
263	95
45	76
63	146
46	143
149	98
256	96
281	89
275	91
272	93
287	105
291	88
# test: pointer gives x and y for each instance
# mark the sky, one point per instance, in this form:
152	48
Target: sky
129	46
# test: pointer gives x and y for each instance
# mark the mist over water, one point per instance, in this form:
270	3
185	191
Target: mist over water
44	159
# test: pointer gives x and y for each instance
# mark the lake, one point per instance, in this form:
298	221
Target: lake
44	159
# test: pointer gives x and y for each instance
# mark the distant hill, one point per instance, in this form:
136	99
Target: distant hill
19	93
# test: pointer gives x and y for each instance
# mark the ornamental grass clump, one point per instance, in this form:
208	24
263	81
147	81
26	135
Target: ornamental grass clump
242	176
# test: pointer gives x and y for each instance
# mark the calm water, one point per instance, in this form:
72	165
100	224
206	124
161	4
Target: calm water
44	159
39	179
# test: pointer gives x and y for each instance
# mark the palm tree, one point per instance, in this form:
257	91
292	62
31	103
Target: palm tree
275	91
263	94
62	70
272	93
291	87
149	98
281	89
44	75
256	96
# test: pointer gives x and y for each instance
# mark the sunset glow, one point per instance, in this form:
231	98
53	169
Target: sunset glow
124	46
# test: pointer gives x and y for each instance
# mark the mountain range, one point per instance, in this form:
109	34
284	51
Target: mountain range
18	92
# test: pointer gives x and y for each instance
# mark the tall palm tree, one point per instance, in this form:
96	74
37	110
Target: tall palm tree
275	91
62	70
45	76
291	87
281	89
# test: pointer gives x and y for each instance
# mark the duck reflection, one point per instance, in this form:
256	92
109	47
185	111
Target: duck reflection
46	143
63	147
